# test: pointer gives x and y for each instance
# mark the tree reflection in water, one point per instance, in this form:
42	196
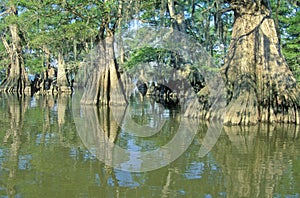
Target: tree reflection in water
258	158
41	155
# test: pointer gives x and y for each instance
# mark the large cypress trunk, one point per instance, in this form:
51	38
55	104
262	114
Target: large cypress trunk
260	86
104	85
16	80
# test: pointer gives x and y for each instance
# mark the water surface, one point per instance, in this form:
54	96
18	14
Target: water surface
43	155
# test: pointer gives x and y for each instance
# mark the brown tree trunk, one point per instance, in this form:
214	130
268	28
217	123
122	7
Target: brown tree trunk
104	85
177	15
62	82
260	87
16	80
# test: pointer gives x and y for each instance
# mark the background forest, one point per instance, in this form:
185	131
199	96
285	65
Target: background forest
53	32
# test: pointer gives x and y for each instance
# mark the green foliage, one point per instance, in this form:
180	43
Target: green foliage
73	27
66	27
34	63
3	57
146	54
291	44
286	14
161	57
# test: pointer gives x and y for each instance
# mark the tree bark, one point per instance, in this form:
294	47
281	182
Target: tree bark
62	82
16	80
104	86
260	86
177	16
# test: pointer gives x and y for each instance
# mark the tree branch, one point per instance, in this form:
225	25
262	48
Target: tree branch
225	10
6	45
5	12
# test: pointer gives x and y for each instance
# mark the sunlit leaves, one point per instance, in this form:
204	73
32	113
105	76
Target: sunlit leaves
288	16
58	24
149	54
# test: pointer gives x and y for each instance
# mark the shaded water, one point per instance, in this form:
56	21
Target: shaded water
43	155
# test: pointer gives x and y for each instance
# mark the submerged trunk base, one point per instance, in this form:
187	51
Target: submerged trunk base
15	85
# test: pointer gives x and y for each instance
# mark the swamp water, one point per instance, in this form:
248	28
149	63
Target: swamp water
42	154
